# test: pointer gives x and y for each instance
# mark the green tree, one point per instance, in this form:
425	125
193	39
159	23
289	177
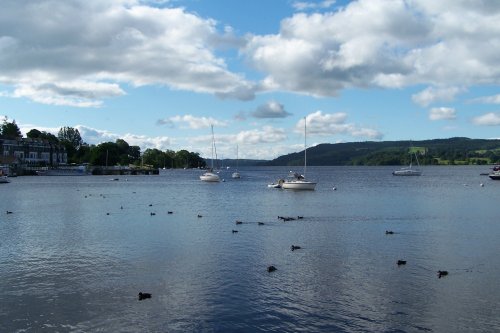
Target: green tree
105	154
70	135
36	134
10	130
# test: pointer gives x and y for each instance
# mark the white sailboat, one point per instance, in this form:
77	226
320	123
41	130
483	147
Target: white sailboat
210	176
409	170
296	181
236	174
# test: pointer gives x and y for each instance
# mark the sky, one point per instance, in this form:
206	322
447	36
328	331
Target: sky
159	73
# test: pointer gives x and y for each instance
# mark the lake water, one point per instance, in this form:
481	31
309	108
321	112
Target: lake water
68	266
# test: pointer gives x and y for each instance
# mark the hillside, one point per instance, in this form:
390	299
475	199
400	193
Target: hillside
437	151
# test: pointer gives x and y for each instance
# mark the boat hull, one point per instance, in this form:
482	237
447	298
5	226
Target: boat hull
495	176
210	177
4	180
299	185
236	175
407	173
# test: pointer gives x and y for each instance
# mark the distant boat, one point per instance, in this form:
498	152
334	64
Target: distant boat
409	170
495	175
296	181
210	176
236	174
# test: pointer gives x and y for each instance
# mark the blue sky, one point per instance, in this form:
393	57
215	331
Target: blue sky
157	73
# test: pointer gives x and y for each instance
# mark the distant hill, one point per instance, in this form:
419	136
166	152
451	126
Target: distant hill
450	151
232	162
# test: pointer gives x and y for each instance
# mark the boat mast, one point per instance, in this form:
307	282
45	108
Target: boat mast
305	147
213	144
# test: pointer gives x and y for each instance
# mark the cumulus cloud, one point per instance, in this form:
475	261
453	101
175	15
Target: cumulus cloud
77	94
64	49
431	95
488	119
192	122
442	113
322	124
379	43
271	109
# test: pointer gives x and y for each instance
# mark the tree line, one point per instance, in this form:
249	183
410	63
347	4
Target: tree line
106	153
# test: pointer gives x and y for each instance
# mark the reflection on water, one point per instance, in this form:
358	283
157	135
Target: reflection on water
77	250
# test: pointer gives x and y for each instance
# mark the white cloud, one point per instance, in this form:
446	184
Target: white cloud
77	94
488	119
442	113
431	95
267	134
195	122
305	5
322	124
271	109
97	136
379	43
48	49
495	99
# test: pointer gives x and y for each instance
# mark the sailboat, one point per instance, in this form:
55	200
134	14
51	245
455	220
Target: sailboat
210	176
236	174
409	170
296	181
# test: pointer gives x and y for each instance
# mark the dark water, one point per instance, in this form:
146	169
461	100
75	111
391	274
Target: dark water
65	265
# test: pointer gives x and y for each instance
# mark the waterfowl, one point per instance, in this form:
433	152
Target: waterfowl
107	213
401	262
170	212
200	216
235	231
442	273
9	212
260	223
271	269
295	247
239	222
144	296
152	213
300	217
150	205
389	232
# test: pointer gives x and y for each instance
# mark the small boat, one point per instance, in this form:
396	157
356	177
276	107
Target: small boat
4	180
296	181
409	170
278	184
210	176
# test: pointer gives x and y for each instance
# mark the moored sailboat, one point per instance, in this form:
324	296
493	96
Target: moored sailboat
210	176
296	181
409	170
236	174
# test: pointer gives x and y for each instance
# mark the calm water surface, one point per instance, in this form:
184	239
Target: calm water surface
68	266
